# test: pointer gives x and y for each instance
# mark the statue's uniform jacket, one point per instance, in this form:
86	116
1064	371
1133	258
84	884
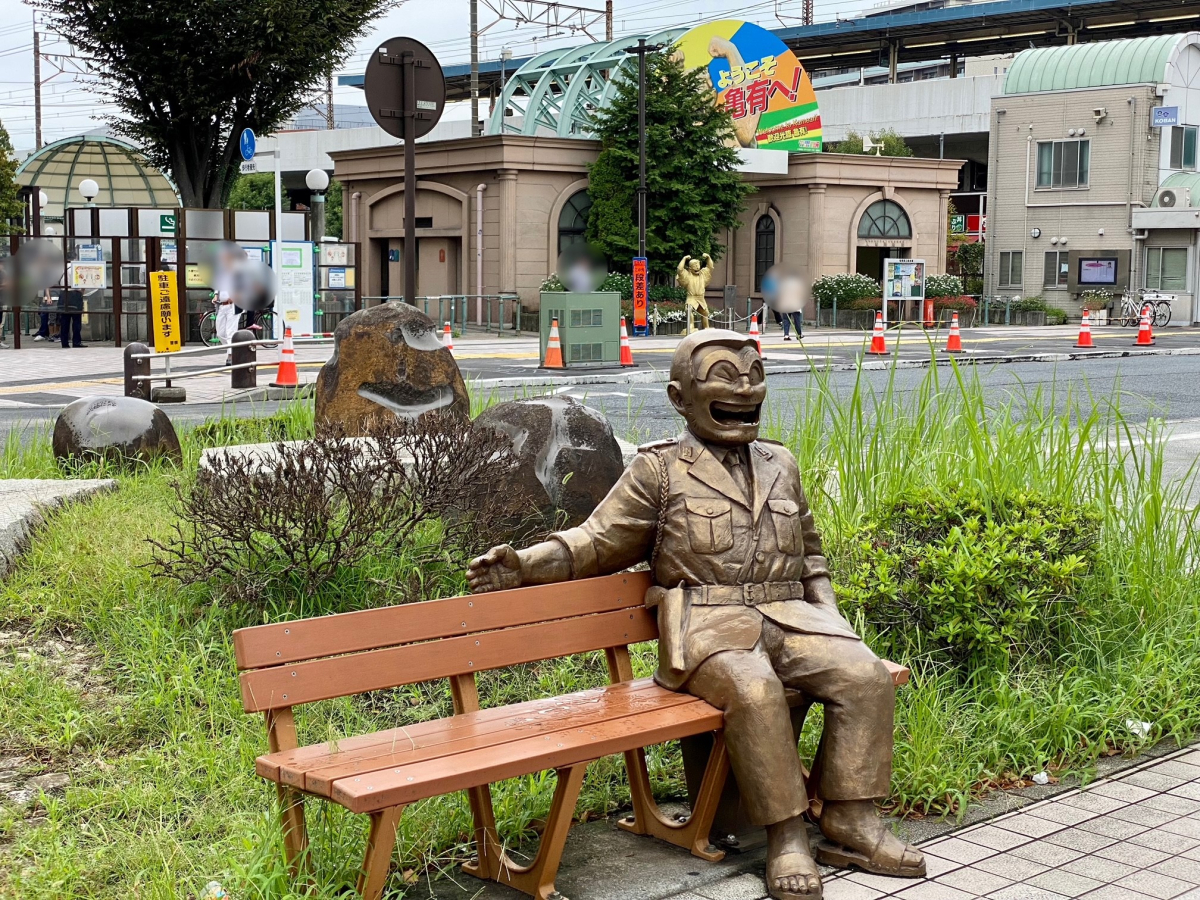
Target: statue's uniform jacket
717	539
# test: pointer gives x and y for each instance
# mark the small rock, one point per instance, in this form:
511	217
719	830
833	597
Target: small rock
21	797
388	360
51	781
11	762
114	428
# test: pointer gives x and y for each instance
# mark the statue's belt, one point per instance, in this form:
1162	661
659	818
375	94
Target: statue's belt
744	594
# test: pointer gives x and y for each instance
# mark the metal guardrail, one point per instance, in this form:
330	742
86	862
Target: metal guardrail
243	371
457	308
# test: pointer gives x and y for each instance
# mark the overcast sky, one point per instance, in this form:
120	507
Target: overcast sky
69	109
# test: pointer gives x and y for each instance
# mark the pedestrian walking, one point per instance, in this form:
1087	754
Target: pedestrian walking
227	321
787	320
44	310
70	318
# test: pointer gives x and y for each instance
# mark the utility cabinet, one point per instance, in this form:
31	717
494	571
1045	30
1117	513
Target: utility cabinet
589	327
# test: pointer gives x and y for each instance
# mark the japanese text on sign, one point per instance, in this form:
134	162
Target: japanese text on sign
639	295
164	299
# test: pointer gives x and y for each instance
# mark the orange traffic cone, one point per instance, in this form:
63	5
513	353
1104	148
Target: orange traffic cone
954	341
878	344
1085	331
554	357
287	375
626	352
447	337
1145	337
754	336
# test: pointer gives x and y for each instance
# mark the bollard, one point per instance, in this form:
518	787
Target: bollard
134	367
244	352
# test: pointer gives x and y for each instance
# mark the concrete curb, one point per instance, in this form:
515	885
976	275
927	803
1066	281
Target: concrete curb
660	376
25	502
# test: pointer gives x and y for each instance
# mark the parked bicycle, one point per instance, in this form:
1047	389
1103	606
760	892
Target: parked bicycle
1132	305
208	325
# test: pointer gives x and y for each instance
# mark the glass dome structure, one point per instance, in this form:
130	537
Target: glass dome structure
123	174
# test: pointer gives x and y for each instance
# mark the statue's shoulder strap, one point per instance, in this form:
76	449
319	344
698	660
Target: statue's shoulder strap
652	446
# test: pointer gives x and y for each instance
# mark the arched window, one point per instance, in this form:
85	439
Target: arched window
885	219
764	249
572	221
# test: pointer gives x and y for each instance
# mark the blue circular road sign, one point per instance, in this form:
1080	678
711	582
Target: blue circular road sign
248	144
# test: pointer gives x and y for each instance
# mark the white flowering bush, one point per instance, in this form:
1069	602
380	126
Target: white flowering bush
943	286
553	283
844	289
1094	299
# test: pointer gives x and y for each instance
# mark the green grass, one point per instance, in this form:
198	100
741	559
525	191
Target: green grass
164	797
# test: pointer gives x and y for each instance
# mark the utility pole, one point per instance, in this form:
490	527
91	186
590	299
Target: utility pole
330	122
807	14
37	86
475	129
608	20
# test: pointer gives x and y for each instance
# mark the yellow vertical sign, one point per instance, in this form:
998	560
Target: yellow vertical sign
164	302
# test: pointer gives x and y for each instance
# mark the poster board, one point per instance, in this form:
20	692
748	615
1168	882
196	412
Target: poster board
88	276
294	297
903	280
164	302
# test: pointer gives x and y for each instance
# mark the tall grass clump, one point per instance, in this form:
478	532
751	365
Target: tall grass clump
1024	555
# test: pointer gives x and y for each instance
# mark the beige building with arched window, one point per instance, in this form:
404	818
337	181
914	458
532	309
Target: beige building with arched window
493	214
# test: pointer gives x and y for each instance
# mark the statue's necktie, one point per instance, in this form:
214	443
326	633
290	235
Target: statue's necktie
737	471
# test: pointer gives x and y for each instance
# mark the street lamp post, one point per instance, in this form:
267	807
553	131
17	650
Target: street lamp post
641	50
317	181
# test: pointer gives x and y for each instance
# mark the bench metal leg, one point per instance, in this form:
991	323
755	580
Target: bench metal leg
381	840
537	878
693	833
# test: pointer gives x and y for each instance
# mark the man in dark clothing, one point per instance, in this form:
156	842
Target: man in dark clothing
70	317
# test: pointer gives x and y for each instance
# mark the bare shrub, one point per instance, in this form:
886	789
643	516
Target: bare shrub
321	506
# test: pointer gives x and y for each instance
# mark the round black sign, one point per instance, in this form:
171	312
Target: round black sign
384	86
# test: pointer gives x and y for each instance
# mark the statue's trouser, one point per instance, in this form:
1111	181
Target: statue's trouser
859	701
698	306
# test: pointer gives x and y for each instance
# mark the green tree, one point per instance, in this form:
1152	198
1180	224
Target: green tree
333	209
188	75
693	187
893	143
10	199
255	191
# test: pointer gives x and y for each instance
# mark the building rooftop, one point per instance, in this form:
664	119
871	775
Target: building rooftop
1141	60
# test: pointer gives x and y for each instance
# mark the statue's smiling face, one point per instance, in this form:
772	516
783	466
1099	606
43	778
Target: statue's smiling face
723	404
694	265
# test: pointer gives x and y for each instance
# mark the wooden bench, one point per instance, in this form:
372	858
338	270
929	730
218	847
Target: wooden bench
289	664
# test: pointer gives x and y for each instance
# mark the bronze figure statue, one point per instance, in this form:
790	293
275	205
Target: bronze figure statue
745	609
694	279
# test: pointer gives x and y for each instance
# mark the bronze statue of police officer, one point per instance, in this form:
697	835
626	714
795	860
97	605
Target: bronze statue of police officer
746	609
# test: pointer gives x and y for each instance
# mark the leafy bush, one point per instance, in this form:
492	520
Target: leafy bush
1054	316
283	528
1094	299
666	293
978	579
845	289
959	303
943	286
553	283
619	282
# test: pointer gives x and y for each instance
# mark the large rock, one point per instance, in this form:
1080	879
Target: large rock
388	359
553	438
116	429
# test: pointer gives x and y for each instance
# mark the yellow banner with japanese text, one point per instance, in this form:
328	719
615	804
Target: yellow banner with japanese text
164	304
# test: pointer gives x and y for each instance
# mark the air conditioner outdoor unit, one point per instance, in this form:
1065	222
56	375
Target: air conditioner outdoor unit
1171	198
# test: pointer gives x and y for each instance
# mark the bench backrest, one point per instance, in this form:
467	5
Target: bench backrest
287	664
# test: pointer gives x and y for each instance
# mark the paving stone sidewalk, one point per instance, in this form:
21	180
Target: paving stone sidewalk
1133	836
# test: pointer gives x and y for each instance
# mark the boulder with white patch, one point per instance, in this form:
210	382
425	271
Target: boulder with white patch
388	361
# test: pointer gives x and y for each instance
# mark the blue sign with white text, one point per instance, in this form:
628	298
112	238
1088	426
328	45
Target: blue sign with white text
1162	116
248	144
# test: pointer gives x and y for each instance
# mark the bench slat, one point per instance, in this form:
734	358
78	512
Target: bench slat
432	778
285	642
450	741
315	755
322	679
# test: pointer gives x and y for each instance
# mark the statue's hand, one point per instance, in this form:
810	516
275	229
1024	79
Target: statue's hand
497	570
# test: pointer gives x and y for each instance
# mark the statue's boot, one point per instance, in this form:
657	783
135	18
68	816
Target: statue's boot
791	872
855	837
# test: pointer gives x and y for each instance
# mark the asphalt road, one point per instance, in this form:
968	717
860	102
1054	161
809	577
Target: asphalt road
1165	387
